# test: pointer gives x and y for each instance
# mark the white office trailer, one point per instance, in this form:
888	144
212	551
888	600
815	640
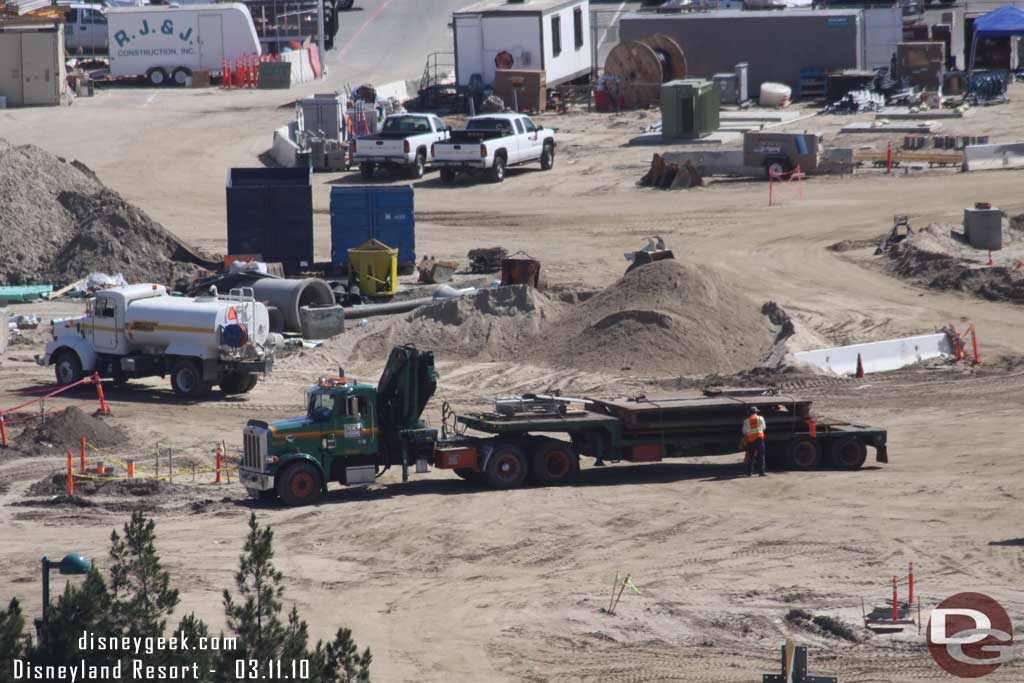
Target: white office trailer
168	43
31	64
548	35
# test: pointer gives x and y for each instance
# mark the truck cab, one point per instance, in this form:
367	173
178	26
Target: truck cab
349	434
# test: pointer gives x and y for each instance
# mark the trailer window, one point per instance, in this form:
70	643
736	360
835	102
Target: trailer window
104	308
556	35
577	26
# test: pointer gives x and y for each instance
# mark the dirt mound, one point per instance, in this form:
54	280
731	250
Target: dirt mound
824	625
664	317
64	430
60	223
939	258
492	324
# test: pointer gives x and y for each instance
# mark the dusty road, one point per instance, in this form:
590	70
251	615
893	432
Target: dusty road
449	583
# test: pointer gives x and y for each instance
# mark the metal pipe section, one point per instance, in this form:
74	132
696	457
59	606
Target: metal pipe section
289	295
442	293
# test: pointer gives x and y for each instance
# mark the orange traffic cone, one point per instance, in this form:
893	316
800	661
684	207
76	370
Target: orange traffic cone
860	368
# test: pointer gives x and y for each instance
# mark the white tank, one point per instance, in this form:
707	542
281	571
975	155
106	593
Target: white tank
774	94
159	321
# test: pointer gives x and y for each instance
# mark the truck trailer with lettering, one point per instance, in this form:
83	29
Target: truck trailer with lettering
165	44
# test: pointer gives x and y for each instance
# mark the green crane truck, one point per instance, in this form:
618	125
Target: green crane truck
353	432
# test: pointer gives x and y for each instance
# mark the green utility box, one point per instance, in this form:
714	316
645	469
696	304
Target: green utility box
689	108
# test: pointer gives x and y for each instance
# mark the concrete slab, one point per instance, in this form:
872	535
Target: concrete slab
758	116
904	113
881	356
986	157
881	127
656	139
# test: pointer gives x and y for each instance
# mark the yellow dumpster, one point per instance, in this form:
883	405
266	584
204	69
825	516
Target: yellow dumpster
373	266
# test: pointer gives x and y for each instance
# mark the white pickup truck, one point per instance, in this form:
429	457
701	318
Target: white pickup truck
491	143
404	141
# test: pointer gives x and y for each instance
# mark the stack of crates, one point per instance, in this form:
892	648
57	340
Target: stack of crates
689	108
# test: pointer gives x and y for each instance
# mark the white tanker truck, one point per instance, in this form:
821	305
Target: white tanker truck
141	331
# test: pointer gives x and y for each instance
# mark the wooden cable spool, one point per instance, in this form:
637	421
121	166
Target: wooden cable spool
635	70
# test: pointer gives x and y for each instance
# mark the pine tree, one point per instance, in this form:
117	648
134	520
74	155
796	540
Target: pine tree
141	593
339	660
254	617
85	607
13	641
194	630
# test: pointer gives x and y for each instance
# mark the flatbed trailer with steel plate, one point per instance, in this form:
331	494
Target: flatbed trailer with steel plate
542	437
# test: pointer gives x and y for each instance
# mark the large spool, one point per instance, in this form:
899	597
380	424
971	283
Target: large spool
635	69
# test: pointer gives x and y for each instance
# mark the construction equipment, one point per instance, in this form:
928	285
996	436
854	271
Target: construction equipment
486	259
352	432
635	69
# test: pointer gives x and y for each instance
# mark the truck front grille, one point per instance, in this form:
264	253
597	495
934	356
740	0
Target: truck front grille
254	449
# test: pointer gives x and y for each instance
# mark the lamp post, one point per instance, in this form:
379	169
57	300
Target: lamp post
73	563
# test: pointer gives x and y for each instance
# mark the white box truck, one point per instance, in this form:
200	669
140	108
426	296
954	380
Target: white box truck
165	44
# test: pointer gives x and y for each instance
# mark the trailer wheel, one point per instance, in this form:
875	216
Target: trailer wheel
366	169
419	166
180	76
803	453
187	379
547	157
300	484
848	453
447	175
68	368
554	463
776	168
506	468
156	76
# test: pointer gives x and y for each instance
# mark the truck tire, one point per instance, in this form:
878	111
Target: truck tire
419	166
497	171
847	453
554	463
67	368
447	175
187	379
299	484
803	453
157	76
180	76
238	383
366	169
506	468
547	157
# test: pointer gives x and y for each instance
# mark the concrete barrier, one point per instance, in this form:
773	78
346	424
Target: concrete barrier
398	89
284	150
985	157
881	356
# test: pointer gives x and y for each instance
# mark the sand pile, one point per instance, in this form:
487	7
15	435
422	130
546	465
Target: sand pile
493	324
58	223
668	317
938	257
63	430
665	318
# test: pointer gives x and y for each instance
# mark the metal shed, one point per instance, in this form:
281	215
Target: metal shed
32	63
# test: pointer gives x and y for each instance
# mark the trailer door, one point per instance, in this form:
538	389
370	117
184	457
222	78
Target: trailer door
10	68
39	68
211	41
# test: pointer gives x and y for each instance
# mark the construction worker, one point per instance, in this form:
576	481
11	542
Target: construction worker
753	435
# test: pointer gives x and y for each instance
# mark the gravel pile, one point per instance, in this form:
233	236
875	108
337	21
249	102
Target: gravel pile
59	223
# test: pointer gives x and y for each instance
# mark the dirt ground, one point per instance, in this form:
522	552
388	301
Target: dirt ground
446	582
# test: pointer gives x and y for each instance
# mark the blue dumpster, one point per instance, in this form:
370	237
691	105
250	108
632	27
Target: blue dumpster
362	213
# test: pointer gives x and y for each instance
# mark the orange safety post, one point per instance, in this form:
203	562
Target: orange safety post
104	408
799	181
101	469
238	74
71	474
3	432
255	71
974	344
219	461
812	428
81	455
910	585
860	368
888	159
131	469
895	604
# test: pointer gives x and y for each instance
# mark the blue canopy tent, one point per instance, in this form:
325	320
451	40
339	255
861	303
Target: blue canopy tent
999	23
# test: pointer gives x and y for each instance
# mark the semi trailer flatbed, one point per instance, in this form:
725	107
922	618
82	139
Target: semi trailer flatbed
353	432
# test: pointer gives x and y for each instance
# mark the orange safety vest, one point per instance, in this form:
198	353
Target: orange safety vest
757	434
